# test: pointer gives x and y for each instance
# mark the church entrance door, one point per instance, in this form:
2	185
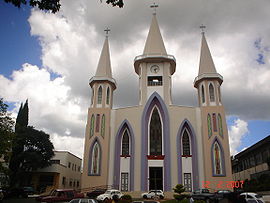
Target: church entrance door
155	178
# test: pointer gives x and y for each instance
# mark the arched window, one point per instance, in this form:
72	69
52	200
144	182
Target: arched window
220	128
203	95
185	143
209	125
211	93
103	126
219	94
108	96
92	125
155	134
217	162
99	95
125	143
97	123
96	154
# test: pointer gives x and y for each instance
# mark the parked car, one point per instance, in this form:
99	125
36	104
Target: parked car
83	201
109	195
93	194
251	197
60	195
15	192
202	194
221	194
153	193
29	190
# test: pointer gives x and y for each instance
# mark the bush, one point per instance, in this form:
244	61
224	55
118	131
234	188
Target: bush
179	189
184	201
126	197
199	201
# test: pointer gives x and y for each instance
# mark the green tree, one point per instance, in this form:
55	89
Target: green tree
6	134
179	189
46	5
118	3
31	149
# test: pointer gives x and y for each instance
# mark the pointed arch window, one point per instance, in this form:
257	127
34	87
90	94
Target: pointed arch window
217	160
211	93
219	94
95	159
214	117
203	95
108	96
186	143
220	128
103	126
92	125
155	134
97	123
99	100
209	125
125	143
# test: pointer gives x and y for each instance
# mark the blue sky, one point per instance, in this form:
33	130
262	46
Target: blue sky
60	55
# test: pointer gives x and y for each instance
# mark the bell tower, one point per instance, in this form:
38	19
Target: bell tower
154	67
97	133
217	164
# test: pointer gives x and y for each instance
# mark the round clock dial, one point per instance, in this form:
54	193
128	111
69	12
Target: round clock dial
154	69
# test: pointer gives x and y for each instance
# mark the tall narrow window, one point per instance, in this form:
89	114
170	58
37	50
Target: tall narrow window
203	95
219	94
217	159
187	182
155	134
95	167
220	128
103	126
108	96
124	182
209	125
92	125
211	93
125	144
185	142
99	95
214	122
97	123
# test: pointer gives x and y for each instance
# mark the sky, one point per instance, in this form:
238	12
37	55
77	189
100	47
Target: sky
49	59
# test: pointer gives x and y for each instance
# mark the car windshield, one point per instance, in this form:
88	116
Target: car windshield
108	192
258	196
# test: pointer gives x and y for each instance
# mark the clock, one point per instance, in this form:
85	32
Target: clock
154	69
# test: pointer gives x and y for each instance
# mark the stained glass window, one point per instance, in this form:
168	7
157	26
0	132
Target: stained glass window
185	142
95	159
155	134
209	125
214	122
220	128
92	125
125	143
103	126
217	159
97	123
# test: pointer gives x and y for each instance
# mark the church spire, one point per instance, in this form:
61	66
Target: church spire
154	43
104	71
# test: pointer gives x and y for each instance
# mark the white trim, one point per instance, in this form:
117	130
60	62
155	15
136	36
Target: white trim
149	121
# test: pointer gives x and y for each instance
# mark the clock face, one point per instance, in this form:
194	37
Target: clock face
154	69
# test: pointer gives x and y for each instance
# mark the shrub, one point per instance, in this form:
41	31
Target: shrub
179	189
126	197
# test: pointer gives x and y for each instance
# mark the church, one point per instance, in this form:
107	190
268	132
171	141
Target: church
156	144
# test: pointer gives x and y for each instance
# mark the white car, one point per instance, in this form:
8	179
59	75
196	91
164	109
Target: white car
109	195
152	194
83	201
251	197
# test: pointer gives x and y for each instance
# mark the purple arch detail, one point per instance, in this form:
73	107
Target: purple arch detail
96	140
195	172
222	158
124	125
153	100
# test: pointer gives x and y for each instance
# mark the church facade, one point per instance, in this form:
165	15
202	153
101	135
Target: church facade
156	144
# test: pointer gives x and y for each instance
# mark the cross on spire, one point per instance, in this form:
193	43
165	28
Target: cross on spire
154	6
107	30
202	28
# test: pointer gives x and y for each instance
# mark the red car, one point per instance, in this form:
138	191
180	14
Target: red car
60	195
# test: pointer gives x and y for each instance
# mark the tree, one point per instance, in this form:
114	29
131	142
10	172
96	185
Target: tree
179	189
6	134
46	5
118	3
31	149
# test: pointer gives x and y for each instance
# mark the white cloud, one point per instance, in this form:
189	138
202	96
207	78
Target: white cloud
236	132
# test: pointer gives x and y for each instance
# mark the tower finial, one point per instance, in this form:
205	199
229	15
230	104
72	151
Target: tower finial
107	30
202	28
154	6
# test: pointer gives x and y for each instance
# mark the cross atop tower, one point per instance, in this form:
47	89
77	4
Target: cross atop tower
107	30
154	6
202	28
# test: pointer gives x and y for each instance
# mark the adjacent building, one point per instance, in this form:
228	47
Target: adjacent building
65	172
252	162
156	144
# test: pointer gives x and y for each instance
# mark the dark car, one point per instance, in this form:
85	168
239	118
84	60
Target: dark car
93	194
15	192
29	190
